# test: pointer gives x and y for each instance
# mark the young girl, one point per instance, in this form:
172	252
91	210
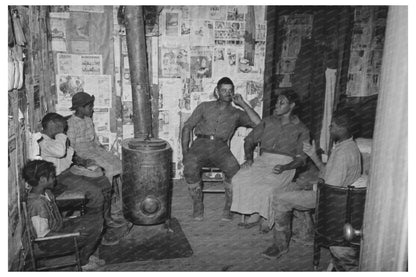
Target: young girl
83	138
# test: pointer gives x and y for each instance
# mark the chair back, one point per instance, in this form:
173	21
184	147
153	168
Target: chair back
337	206
355	209
36	254
29	233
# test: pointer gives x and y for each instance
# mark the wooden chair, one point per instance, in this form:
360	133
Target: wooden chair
37	255
212	180
336	206
212	177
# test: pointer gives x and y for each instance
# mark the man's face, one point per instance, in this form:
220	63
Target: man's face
226	92
283	106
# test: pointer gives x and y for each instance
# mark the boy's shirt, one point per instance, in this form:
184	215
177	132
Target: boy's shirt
44	213
344	164
56	151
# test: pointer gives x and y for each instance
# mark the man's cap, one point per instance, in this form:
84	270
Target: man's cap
81	99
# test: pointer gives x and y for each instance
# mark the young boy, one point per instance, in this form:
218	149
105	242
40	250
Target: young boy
47	221
54	148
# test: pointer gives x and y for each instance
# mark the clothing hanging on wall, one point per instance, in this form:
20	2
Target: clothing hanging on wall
330	82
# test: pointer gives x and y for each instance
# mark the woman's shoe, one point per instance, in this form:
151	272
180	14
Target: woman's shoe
251	224
242	224
273	252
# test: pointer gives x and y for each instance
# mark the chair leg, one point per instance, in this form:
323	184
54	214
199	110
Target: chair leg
316	255
32	256
77	255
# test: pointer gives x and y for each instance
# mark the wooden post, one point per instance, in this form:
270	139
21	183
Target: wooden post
385	227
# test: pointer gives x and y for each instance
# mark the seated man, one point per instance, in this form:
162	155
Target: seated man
84	140
47	221
214	123
54	148
343	169
281	138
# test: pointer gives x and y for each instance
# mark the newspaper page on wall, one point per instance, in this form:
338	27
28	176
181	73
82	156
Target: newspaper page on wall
97	85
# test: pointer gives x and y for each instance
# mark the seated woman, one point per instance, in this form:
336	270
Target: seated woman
47	221
83	138
281	137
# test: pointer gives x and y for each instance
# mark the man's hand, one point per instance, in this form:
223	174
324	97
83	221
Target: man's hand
309	149
83	162
277	169
247	164
238	99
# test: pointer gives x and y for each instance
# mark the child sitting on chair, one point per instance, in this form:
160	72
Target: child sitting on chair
47	221
83	138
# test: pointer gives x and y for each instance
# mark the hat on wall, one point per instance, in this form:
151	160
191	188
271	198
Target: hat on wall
81	99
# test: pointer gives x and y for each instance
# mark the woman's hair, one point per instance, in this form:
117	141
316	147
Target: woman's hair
35	169
290	95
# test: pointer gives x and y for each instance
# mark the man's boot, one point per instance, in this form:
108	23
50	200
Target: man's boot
109	221
281	236
195	191
226	214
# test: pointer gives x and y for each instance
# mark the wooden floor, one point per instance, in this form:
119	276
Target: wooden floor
222	246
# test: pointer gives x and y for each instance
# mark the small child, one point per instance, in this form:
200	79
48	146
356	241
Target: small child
83	138
47	220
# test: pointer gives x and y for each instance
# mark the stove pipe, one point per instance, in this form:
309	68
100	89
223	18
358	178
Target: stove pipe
139	77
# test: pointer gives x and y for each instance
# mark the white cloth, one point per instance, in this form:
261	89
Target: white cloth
361	182
330	81
40	224
33	147
56	151
253	187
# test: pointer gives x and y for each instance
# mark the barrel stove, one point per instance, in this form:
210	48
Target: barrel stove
147	178
147	181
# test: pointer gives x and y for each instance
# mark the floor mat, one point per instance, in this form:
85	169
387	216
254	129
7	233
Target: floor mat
148	243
